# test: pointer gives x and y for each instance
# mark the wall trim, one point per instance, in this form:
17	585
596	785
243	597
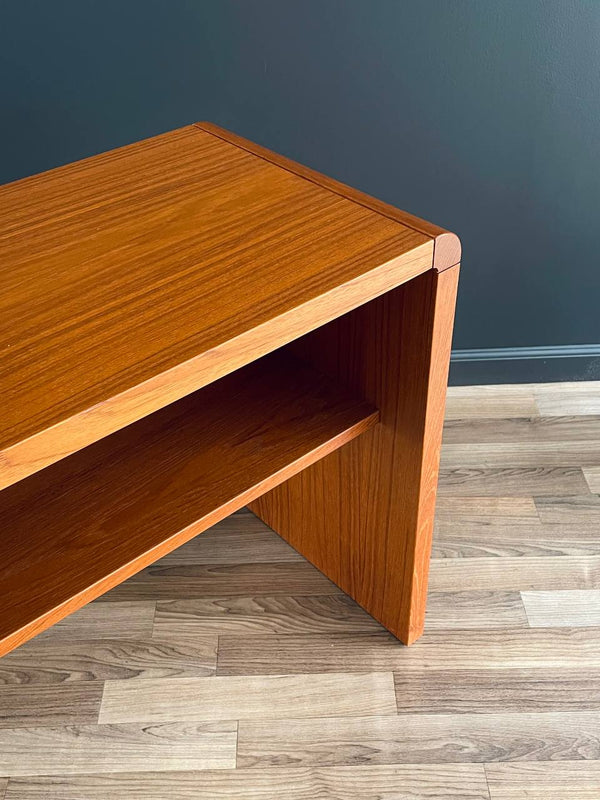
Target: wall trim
526	353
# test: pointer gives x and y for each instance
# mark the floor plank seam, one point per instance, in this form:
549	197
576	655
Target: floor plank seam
487	781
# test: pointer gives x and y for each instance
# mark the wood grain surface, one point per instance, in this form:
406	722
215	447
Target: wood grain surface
573	508
487	690
491	402
592	476
533	430
88	522
241	580
239	539
540	781
455	610
285	614
514	573
480	527
522	648
266	696
578	398
430	782
420	739
447	247
570	608
126	621
364	516
522	454
140	275
41	705
42	661
518	481
80	749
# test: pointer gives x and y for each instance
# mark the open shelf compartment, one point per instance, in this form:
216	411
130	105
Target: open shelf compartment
84	524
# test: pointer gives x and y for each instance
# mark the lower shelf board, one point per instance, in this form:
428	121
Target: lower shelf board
88	522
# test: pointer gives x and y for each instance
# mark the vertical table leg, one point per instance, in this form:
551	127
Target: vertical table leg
364	514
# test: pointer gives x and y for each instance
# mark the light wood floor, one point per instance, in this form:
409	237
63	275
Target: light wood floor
233	669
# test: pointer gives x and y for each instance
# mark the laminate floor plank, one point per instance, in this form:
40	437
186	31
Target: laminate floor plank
125	621
592	476
482	609
553	780
531	430
475	527
570	510
488	690
279	614
76	749
526	573
560	609
334	613
62	704
197	580
475	402
266	696
524	481
3	785
523	648
419	739
414	782
100	660
456	540
241	538
521	454
568	398
483	510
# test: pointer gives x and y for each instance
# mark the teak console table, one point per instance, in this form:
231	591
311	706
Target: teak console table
191	324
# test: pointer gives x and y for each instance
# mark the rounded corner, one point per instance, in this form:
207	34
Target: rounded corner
447	251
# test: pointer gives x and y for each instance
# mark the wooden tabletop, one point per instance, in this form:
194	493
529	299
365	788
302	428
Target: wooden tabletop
135	277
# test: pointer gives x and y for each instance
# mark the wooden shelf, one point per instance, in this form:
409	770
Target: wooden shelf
84	524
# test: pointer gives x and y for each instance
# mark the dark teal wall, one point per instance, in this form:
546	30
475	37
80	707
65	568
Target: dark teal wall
481	115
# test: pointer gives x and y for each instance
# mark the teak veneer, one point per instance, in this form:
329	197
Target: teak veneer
143	295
